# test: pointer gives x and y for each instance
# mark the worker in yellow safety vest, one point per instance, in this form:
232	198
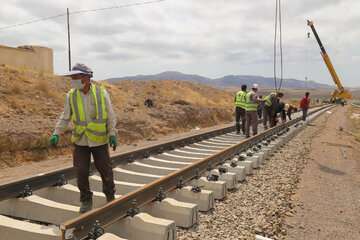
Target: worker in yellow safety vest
269	111
252	102
240	112
89	108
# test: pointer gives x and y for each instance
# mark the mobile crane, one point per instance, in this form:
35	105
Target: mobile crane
339	94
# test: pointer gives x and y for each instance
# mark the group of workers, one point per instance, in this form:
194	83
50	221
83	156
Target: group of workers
89	109
250	106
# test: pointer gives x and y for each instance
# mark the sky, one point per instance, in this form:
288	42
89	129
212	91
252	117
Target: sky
212	38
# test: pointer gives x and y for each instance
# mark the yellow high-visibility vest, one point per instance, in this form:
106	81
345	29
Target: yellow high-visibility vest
240	100
268	99
251	106
95	130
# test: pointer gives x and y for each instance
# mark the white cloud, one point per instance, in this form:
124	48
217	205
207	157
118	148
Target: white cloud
209	37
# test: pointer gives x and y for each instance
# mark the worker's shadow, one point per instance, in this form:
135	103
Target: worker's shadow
327	169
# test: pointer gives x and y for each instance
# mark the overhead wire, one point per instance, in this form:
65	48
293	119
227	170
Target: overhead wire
281	48
80	12
275	42
278	28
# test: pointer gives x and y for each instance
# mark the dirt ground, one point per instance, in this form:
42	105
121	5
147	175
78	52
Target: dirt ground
31	102
328	197
30	168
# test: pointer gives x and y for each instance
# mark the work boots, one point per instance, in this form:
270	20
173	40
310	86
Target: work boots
110	198
86	206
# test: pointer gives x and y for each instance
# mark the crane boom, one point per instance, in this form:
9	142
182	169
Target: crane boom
340	92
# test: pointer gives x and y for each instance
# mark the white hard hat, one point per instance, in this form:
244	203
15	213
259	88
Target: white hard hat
255	85
79	68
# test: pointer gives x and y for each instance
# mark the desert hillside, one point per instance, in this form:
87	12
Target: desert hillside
31	102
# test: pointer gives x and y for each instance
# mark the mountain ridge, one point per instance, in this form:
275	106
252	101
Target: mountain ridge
227	81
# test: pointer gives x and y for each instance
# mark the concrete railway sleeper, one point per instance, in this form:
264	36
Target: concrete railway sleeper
159	188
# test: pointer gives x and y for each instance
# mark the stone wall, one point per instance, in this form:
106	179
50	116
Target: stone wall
29	57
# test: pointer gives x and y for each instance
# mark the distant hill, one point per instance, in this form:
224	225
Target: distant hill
229	81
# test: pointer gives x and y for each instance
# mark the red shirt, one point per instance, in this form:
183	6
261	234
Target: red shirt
305	102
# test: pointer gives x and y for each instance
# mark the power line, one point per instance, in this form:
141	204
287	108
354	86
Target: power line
81	12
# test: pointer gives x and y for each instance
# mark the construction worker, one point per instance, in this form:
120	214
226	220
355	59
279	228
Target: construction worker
304	105
89	108
252	102
240	112
270	107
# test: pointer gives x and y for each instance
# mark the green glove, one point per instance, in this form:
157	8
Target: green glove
54	139
113	142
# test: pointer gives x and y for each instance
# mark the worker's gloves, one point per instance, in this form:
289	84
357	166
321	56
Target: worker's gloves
113	142
54	139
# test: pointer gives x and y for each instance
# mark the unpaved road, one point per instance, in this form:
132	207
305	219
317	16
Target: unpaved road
328	198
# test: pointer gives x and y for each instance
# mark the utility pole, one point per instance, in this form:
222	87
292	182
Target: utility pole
69	45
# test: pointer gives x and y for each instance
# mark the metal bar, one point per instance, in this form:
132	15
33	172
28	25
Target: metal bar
68	32
13	189
117	209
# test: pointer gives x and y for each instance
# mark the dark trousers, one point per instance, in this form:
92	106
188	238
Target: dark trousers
251	120
283	116
81	158
260	112
304	113
289	114
240	114
269	117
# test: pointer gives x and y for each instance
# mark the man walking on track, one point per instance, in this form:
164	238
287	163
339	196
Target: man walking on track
252	102
240	112
271	102
89	108
304	105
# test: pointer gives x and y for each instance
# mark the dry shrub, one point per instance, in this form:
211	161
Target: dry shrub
43	86
15	89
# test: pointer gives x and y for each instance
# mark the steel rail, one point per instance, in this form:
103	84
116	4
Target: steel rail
14	189
118	209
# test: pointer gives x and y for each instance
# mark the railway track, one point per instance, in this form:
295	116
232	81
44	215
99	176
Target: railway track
159	187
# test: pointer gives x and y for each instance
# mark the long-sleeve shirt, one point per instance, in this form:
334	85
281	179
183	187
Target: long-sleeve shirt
90	113
304	103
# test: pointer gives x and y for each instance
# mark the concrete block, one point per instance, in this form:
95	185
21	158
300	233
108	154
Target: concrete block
184	214
258	237
219	188
122	188
190	152
208	146
109	236
146	168
248	165
144	226
124	175
255	160
228	177
267	152
261	155
204	199
70	194
238	170
12	229
156	161
39	209
216	143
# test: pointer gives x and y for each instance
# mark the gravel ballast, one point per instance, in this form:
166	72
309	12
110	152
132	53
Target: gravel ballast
262	202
